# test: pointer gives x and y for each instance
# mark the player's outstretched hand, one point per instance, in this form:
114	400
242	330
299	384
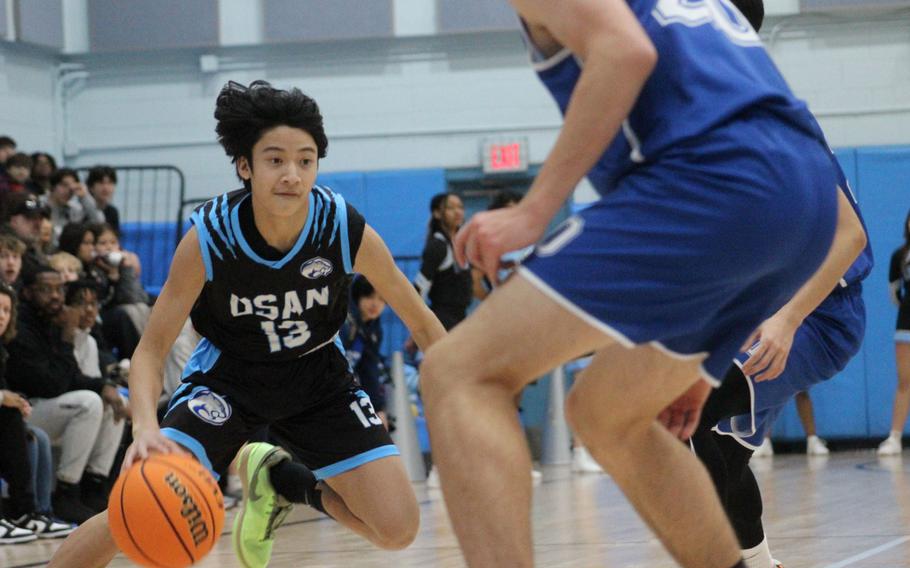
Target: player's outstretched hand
682	415
769	357
147	442
491	234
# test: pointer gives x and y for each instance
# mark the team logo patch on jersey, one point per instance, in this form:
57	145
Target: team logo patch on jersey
316	268
210	407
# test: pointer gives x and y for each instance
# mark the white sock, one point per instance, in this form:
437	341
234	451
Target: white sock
895	435
759	556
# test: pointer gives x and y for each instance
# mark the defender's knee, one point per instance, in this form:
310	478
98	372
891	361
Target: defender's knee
596	423
398	531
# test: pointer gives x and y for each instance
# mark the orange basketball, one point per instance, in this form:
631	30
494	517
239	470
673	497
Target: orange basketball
166	511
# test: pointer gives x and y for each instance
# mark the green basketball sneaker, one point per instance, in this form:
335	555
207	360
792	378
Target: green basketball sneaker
263	509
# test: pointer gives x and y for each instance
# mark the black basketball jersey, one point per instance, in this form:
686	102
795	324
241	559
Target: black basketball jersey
259	304
899	274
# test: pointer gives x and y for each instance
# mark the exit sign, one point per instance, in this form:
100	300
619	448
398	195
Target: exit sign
504	155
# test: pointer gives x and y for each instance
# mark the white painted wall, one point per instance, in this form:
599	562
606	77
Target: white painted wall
27	107
417	101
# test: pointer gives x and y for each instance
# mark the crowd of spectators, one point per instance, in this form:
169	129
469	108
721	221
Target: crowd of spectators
71	313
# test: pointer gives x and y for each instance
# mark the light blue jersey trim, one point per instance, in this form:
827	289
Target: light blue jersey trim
193	445
177	401
341	213
213	219
304	234
204	242
226	217
344	352
203	358
356	461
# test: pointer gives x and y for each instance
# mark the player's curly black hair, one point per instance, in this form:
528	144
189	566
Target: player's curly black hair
245	113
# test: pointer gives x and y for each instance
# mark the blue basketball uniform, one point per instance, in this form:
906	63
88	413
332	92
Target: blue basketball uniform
823	345
270	357
717	196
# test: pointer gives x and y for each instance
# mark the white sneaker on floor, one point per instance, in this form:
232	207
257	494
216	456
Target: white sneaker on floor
890	447
815	446
582	462
12	534
433	479
765	450
44	526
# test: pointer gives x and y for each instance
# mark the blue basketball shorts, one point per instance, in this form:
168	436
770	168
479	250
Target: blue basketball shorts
822	347
691	253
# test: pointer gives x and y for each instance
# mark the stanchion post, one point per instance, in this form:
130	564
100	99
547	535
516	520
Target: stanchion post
405	434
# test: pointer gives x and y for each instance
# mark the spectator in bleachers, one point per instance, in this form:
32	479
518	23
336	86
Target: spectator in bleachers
361	336
43	167
70	202
18	170
118	326
11	250
101	182
23	218
67	265
45	242
24	521
83	296
82	415
107	244
7	149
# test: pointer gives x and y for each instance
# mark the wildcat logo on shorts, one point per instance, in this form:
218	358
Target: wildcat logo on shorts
316	268
210	407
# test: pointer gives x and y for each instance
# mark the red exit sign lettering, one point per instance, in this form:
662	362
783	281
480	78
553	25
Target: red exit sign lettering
504	156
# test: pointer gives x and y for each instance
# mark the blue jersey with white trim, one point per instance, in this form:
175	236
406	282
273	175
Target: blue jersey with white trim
711	67
260	304
863	264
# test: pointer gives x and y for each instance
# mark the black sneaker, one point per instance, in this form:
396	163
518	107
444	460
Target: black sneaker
95	491
12	534
44	526
67	504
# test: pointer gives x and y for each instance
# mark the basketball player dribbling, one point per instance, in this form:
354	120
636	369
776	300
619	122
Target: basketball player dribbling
264	272
718	201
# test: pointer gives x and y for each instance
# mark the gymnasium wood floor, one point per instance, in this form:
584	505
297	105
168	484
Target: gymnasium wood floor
848	510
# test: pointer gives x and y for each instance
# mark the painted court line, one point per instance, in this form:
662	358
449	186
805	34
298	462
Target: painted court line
870	552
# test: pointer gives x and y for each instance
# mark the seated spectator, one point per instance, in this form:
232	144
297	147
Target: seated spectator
82	295
7	149
18	170
129	292
43	167
101	182
70	202
67	265
361	336
23	521
45	242
118	326
23	218
82	415
11	250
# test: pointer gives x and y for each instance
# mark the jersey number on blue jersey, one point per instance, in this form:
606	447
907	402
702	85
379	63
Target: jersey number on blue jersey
719	13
